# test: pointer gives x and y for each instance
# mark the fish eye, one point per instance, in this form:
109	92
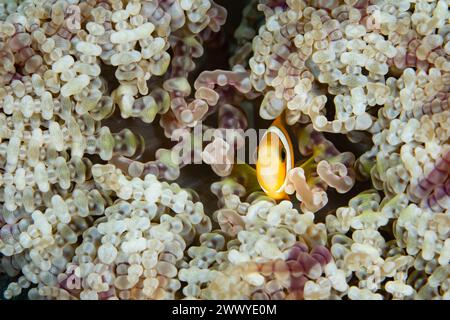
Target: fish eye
283	155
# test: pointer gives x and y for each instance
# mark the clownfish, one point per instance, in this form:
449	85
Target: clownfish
275	157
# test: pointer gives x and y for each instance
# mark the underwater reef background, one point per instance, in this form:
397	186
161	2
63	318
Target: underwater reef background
97	200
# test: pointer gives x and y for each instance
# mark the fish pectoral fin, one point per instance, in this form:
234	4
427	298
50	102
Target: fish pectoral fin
245	174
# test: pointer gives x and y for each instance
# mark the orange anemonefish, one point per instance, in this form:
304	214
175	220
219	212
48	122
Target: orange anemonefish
275	159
